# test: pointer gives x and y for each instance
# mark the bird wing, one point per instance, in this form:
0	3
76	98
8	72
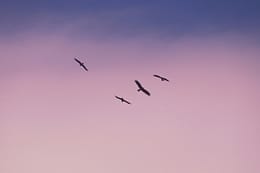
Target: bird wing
117	97
162	78
127	101
139	84
84	67
146	92
78	61
157	76
165	79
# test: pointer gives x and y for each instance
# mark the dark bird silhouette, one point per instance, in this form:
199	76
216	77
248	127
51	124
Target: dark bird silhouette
123	100
162	78
81	64
141	88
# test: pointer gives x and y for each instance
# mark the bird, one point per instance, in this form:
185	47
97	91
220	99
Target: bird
162	78
122	99
81	64
141	88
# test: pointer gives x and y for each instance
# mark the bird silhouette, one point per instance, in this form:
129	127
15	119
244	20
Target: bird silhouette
122	99
81	64
141	88
162	78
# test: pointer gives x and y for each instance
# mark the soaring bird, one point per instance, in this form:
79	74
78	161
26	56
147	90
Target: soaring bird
141	88
162	78
81	64
123	100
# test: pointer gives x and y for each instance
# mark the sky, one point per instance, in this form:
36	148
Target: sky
55	117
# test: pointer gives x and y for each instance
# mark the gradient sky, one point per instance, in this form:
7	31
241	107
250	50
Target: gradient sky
54	117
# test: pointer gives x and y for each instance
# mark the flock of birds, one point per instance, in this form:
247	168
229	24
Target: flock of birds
139	85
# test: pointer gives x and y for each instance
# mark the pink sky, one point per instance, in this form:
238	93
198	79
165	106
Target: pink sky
57	118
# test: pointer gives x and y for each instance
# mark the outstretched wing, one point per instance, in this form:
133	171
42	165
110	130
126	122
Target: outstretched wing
139	84
157	76
160	77
127	101
118	97
166	79
78	61
85	68
142	88
122	99
146	92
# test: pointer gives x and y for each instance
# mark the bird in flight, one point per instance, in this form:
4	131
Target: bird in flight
81	64
123	100
141	88
162	78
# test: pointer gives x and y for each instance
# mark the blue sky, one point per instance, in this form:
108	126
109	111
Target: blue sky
130	17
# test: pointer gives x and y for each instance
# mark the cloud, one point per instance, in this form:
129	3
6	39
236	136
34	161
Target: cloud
54	114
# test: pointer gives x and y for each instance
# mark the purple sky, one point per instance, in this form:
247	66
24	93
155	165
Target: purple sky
54	117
